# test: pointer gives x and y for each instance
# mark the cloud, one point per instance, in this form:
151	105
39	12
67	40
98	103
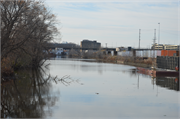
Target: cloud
116	20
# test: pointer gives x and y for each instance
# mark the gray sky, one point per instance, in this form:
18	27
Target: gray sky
117	22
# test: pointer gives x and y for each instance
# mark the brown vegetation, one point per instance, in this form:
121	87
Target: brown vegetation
26	28
101	56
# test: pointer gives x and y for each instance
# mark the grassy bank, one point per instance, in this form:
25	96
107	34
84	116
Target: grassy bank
137	62
100	56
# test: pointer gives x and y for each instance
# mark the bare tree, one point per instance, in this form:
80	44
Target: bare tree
26	27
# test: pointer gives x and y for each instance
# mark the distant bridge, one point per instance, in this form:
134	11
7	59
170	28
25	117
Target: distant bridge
75	47
154	49
143	49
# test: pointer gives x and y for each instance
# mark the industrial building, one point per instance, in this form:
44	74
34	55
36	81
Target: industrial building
164	47
90	44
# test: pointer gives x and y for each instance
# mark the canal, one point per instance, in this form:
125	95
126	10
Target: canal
81	89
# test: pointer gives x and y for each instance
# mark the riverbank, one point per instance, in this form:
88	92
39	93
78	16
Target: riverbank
101	56
137	62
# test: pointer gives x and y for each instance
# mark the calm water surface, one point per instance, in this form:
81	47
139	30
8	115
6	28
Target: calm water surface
90	90
111	91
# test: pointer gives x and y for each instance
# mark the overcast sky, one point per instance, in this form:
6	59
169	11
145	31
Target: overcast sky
117	23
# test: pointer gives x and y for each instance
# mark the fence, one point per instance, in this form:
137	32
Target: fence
125	53
148	53
144	53
167	62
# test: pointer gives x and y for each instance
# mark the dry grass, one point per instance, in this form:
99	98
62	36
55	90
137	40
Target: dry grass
148	61
100	56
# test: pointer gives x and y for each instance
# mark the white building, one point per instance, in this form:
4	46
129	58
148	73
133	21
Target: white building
164	47
58	51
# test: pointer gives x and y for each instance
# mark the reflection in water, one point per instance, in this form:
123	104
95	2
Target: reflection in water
171	83
138	81
28	95
120	92
112	94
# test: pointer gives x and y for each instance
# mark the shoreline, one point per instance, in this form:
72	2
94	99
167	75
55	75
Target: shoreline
126	63
143	68
8	74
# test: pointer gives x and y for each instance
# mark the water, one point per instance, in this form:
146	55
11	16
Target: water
91	90
110	91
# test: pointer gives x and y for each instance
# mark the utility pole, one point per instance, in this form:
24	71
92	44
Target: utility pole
154	41
138	81
139	37
159	34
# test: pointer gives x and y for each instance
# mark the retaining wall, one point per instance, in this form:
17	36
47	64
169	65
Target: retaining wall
167	62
